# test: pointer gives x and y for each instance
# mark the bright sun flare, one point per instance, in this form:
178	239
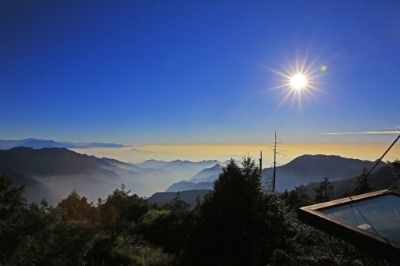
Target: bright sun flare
298	81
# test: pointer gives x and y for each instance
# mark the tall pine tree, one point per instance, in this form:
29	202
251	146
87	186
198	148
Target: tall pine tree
324	191
238	223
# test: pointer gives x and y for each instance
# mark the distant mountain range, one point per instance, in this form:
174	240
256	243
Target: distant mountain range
41	143
313	168
382	178
183	169
300	171
53	173
307	170
207	174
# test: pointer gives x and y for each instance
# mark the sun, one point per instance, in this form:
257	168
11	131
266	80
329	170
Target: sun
298	81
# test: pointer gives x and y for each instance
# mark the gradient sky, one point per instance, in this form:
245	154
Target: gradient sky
198	72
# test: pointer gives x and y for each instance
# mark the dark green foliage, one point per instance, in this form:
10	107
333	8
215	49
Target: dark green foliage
119	242
11	200
237	224
396	167
12	209
77	210
312	247
126	249
120	205
280	257
362	183
324	191
167	228
192	197
37	235
297	198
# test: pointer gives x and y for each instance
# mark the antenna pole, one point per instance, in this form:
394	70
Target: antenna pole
274	173
261	165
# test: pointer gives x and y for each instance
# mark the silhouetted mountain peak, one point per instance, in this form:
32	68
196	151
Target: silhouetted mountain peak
217	166
60	170
308	158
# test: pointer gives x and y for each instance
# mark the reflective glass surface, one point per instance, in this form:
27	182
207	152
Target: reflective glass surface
379	215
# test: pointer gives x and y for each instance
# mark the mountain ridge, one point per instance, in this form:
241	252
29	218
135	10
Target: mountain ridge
299	171
43	143
191	197
55	172
61	171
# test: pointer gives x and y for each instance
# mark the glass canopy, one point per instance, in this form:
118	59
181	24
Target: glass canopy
370	221
378	215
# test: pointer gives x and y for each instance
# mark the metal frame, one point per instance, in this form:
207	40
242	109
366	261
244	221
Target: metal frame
370	242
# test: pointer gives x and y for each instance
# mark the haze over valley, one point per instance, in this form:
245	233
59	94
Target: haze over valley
52	171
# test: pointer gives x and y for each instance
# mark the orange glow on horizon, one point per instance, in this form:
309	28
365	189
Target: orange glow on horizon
224	152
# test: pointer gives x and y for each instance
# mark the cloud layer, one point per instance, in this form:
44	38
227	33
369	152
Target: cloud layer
393	132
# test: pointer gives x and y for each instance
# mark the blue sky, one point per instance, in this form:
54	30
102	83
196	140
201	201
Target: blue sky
197	72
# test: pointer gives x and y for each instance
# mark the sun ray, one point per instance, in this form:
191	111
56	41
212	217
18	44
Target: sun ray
299	81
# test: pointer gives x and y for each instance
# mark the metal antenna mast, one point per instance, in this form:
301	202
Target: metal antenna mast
274	173
261	165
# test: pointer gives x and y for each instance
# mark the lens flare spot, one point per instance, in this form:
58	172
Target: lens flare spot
324	68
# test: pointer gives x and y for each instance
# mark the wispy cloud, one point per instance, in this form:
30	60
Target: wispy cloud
387	132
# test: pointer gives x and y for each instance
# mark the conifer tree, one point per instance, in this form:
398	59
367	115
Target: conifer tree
324	191
238	223
396	167
362	183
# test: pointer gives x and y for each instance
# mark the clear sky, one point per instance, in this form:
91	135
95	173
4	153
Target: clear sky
198	72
